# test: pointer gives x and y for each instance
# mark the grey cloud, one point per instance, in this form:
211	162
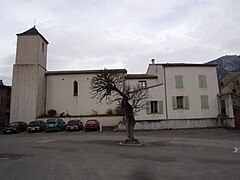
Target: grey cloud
121	33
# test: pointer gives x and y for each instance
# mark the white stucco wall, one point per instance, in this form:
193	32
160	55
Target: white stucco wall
191	89
24	93
60	95
155	94
29	50
41	92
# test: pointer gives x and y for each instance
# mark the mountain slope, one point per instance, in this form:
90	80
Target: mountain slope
226	64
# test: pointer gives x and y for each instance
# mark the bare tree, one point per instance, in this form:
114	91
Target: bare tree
110	86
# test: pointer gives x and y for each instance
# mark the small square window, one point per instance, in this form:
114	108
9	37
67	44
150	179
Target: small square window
154	107
180	102
142	84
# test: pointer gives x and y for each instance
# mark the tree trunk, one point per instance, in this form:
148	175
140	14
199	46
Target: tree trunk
130	120
130	129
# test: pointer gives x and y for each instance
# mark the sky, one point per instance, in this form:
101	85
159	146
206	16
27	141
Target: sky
97	34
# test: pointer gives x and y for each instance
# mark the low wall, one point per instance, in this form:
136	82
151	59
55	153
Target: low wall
104	120
117	121
181	124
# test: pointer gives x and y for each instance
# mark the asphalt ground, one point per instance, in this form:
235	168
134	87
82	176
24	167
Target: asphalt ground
165	154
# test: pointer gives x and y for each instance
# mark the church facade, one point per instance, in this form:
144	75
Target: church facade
187	91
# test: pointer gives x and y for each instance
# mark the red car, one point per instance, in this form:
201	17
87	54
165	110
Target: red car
36	126
92	125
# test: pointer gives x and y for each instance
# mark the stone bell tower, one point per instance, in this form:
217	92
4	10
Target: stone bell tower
29	81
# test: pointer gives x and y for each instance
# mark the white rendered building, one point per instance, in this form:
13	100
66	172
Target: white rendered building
187	91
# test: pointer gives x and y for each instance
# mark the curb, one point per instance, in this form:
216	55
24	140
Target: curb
125	144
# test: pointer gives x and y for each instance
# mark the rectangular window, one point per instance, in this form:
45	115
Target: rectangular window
154	107
75	88
204	102
179	81
180	102
202	81
142	84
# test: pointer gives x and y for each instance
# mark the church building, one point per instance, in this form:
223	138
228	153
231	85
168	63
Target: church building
188	96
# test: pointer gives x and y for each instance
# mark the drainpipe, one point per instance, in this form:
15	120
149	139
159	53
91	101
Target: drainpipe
165	88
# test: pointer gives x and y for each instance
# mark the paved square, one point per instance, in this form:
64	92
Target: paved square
166	154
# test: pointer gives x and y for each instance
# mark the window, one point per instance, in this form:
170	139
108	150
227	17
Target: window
154	107
204	102
179	81
180	102
202	81
75	88
42	47
142	84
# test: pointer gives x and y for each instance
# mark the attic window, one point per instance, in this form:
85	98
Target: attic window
142	84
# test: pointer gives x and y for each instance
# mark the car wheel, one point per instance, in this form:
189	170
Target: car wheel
58	129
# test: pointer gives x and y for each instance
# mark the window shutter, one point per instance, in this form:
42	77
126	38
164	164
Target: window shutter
179	81
174	102
202	81
160	107
204	102
186	102
148	108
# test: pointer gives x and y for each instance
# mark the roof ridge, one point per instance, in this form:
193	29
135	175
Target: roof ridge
32	32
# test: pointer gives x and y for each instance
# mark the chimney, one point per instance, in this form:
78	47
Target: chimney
1	82
153	61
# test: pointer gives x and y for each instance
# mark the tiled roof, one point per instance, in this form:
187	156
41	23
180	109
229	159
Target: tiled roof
140	76
32	32
84	72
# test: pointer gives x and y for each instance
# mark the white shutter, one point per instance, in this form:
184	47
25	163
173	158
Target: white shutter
160	107
148	107
186	102
174	102
179	81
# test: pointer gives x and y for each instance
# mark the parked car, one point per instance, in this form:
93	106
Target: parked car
92	124
74	125
36	126
15	127
55	124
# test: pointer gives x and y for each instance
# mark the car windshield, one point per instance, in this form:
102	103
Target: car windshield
51	121
34	123
72	123
91	122
14	124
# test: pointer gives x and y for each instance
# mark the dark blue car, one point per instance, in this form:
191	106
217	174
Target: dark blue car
15	127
